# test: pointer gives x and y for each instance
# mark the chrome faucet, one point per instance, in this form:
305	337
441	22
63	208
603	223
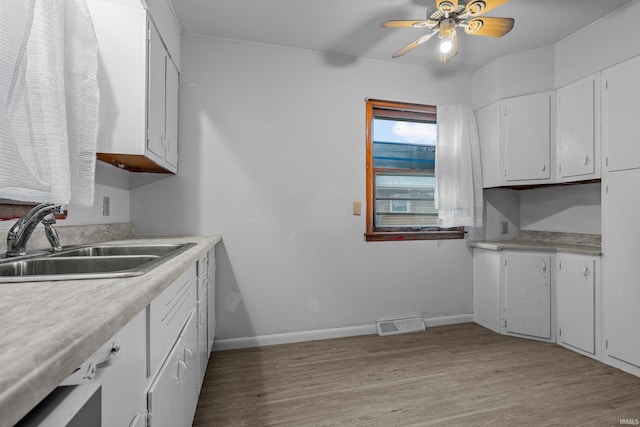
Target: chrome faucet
21	231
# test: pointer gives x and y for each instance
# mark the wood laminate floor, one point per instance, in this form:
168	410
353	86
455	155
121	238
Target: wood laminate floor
459	375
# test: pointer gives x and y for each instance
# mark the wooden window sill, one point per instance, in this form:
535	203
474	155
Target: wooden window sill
413	235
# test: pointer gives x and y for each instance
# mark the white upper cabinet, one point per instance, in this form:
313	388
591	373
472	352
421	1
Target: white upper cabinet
138	90
526	139
488	119
578	130
620	119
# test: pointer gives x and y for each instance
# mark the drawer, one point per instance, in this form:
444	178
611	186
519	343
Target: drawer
168	314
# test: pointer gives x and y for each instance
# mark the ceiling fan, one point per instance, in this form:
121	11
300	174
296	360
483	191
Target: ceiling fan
446	15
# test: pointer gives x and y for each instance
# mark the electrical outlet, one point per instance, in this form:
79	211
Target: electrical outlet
106	206
505	227
357	208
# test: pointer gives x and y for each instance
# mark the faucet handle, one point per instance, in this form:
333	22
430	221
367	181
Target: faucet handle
51	233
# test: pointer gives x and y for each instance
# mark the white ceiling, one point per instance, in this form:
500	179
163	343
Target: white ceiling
351	27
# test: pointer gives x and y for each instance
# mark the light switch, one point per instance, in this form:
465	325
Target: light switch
505	227
106	206
357	208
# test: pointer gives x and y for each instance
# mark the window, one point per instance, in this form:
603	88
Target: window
401	148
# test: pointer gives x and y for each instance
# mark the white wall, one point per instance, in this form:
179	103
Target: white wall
113	183
609	41
568	209
514	75
110	182
272	155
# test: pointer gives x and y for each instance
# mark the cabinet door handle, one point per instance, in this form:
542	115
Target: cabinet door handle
115	348
585	273
188	354
182	365
587	160
544	267
544	167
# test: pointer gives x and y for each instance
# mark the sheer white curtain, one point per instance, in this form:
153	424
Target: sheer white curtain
48	101
458	195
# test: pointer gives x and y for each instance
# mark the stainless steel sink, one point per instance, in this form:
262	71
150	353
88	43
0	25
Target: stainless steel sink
89	262
107	250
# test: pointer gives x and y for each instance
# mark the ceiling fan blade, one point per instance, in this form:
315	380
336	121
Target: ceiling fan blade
447	6
491	27
413	44
404	24
445	57
480	7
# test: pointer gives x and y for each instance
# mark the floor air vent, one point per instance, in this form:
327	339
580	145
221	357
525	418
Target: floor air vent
399	326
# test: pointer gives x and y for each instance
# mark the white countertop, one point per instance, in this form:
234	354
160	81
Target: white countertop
50	328
529	245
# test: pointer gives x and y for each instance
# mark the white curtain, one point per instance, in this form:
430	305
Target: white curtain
48	101
458	195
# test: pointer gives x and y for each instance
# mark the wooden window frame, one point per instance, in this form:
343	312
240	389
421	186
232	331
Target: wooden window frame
398	110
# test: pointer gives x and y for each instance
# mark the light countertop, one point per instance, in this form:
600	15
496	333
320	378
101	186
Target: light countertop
529	245
50	328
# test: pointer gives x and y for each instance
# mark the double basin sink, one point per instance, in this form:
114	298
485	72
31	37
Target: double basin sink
89	262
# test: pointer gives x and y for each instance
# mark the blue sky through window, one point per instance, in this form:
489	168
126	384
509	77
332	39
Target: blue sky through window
402	132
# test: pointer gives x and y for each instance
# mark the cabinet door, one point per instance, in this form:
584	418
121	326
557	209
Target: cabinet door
575	284
526	137
621	252
156	94
488	119
203	348
528	294
211	294
486	288
124	378
578	129
171	119
620	118
189	337
164	399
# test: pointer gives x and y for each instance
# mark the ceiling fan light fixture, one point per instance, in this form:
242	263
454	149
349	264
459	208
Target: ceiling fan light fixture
447	34
446	45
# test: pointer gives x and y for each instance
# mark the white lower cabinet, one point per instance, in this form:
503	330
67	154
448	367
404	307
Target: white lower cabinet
486	288
211	298
124	379
527	306
173	354
150	373
513	292
173	395
577	286
165	403
107	390
191	382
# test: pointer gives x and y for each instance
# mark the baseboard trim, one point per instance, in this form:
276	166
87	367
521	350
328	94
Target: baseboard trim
322	334
448	320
